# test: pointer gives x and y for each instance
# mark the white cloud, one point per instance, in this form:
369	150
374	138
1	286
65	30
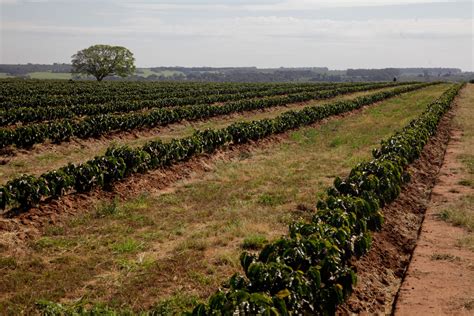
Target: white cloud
242	28
283	5
9	1
261	33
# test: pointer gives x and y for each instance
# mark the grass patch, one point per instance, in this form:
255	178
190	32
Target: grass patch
127	246
466	183
7	263
130	265
200	244
137	220
156	236
128	211
254	242
178	230
444	257
61	260
227	259
139	203
271	199
467	242
468	161
460	213
107	208
53	243
81	308
4	75
49	75
47	158
54	230
336	142
80	221
200	278
175	305
18	164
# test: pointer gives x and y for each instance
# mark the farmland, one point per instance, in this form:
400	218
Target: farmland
148	197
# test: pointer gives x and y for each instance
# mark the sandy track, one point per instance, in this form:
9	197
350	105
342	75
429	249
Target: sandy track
440	278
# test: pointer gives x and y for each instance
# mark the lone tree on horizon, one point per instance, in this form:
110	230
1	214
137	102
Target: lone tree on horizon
101	61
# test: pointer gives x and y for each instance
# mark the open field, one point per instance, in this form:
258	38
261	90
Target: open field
4	75
143	72
158	220
49	75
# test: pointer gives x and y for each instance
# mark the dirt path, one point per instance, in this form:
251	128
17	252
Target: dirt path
440	277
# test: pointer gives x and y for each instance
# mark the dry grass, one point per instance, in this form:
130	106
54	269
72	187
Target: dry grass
444	257
170	250
464	120
460	213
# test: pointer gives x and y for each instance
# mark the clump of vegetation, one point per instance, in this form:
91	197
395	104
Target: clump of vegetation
254	242
270	199
175	305
467	242
466	183
81	308
127	246
7	263
444	257
460	214
108	208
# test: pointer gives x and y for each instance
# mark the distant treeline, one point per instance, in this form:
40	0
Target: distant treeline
253	74
387	73
240	74
20	70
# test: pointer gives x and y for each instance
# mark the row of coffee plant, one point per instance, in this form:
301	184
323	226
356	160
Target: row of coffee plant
25	94
47	113
120	162
97	125
309	271
32	93
14	87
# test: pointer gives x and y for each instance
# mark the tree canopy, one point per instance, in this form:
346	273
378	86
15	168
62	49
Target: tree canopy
101	61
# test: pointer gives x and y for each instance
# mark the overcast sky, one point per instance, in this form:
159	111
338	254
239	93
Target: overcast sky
338	34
